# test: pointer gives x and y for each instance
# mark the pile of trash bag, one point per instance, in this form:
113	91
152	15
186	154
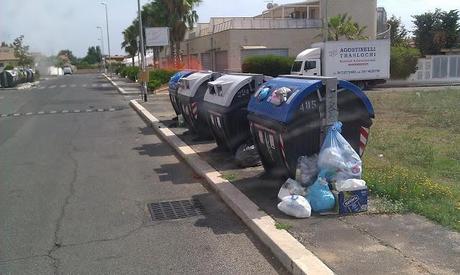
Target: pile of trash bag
337	167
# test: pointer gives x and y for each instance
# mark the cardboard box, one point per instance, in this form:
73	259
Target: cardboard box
349	202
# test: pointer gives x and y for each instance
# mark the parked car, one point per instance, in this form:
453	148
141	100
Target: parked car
67	70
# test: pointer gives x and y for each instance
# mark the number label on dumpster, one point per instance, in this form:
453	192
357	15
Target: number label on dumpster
309	105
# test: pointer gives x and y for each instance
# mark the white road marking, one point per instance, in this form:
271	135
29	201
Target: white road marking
93	85
65	111
28	114
100	110
88	110
111	109
63	86
105	85
16	114
52	87
40	113
76	111
3	115
84	85
53	112
73	85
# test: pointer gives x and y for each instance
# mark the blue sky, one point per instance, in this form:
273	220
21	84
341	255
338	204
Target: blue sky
51	25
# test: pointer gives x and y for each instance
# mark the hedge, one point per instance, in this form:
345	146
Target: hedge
159	77
271	65
130	72
403	62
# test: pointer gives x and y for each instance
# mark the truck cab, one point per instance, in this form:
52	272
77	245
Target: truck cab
308	63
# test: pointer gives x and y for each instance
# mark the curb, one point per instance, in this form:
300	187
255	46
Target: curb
291	253
120	89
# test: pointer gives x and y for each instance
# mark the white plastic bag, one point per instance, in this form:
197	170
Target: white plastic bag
296	206
338	157
307	170
291	187
350	185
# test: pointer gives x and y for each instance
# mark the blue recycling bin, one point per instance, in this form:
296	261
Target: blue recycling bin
174	86
285	121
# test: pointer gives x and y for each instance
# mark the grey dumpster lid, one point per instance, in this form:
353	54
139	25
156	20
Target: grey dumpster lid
223	90
190	84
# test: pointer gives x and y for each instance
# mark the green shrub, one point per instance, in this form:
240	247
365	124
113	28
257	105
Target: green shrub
271	65
403	62
130	72
119	68
153	84
161	75
9	67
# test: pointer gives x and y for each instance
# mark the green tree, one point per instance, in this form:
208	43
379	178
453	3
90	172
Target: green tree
342	26
180	16
67	57
93	55
21	51
129	43
436	30
398	33
403	61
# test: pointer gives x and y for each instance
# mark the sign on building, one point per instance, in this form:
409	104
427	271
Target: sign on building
158	36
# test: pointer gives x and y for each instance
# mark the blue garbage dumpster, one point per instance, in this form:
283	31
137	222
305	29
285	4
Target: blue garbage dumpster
285	120
226	102
174	86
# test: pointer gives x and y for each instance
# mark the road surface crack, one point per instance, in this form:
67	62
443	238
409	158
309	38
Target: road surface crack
70	194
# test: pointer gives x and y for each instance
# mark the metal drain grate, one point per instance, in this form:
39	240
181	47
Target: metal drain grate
172	210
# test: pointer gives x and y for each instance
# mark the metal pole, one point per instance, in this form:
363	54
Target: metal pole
107	25
102	49
141	40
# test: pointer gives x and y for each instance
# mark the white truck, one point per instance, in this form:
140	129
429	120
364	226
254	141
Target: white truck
363	62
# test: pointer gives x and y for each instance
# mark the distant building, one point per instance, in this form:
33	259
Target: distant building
7	57
286	30
381	20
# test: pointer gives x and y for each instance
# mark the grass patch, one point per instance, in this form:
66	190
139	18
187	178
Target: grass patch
413	156
229	176
282	226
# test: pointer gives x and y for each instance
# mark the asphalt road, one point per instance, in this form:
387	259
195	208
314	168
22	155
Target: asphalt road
77	171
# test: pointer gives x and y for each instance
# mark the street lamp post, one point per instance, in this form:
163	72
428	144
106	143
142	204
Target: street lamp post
102	49
141	42
107	25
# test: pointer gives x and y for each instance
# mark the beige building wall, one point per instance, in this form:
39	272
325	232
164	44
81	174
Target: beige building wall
364	12
294	39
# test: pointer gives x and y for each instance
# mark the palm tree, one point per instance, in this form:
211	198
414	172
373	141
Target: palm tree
130	40
180	17
342	25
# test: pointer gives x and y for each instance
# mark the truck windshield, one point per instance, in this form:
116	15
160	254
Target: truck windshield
297	66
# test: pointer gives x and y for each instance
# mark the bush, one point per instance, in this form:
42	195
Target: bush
9	67
161	75
130	72
153	84
119	68
403	62
271	65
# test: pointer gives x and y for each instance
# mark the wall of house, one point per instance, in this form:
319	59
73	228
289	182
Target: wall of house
364	12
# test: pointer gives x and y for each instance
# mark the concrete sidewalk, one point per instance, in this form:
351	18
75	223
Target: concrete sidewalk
369	243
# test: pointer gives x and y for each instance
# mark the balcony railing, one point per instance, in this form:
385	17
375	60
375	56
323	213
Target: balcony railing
258	23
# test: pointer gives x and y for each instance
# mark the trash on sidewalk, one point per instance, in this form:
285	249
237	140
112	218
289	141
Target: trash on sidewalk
307	170
296	206
338	157
291	187
320	196
247	156
338	189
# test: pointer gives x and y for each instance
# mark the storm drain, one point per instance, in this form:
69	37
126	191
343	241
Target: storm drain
172	210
